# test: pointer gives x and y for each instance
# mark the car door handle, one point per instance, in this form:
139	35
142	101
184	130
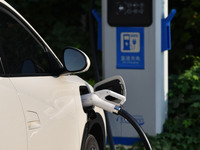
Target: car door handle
33	125
33	120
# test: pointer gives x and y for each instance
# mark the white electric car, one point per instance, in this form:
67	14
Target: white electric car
40	104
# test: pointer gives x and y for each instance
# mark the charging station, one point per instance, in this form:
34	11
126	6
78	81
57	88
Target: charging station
135	38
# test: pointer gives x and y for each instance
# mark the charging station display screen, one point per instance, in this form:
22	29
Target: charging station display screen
130	12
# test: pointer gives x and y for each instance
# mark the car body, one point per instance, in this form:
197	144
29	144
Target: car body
40	106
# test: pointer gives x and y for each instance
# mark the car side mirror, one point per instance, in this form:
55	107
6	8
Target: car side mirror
75	60
115	84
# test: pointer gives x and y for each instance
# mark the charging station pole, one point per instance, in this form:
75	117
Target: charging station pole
133	46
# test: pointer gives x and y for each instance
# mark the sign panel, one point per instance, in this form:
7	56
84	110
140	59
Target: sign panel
130	48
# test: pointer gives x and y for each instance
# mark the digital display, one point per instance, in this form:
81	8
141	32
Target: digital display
130	12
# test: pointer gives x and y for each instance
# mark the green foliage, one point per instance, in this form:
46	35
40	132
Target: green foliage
181	129
65	23
184	112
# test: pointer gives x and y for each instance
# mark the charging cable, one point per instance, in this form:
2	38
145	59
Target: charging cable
112	102
137	127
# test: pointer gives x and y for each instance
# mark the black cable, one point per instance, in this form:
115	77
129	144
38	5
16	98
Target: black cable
137	127
122	112
96	68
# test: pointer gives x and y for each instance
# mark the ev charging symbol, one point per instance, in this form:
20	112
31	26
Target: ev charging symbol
130	48
130	42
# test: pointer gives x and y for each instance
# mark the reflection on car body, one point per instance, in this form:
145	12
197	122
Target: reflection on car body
40	106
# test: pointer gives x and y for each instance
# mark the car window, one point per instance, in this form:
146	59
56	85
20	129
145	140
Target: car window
21	53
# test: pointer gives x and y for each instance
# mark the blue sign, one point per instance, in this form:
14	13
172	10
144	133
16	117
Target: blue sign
130	48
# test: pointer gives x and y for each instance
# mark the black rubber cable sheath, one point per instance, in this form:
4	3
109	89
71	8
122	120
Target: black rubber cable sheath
137	127
122	112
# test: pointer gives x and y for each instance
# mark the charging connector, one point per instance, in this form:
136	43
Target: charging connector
99	99
111	102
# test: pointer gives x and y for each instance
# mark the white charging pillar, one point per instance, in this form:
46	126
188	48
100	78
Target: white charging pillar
147	86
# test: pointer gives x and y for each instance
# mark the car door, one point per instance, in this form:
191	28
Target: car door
50	112
12	122
48	101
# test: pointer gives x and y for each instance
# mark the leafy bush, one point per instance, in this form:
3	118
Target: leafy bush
181	129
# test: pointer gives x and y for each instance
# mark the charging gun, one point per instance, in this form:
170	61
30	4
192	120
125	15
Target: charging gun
110	95
105	99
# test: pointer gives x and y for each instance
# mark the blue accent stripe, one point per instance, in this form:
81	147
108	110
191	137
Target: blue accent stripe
125	140
97	16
